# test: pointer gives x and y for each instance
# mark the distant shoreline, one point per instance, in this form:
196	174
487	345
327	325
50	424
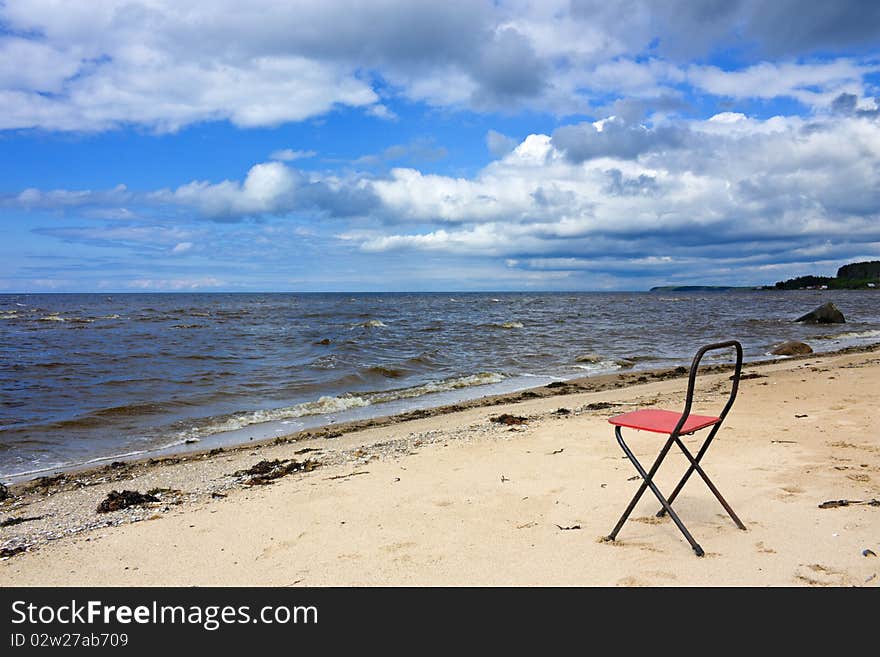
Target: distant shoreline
703	288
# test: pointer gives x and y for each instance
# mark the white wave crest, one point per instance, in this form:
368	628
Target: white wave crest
322	406
371	323
483	378
598	366
851	334
328	405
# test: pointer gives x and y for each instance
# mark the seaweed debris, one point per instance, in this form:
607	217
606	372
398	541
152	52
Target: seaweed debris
116	500
265	472
834	504
9	522
508	419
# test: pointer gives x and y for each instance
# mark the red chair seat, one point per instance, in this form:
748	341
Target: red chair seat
658	421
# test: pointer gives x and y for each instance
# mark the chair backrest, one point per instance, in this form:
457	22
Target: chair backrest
692	378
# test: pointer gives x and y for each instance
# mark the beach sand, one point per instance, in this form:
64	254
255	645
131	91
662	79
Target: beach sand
456	499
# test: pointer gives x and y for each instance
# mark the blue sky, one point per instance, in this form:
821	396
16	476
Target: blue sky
341	145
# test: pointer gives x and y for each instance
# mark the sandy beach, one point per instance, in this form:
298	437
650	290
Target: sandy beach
454	498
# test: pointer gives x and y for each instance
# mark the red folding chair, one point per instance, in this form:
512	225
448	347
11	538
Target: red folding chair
676	425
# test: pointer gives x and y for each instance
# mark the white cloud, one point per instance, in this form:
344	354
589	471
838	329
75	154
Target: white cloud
736	180
28	64
166	64
732	190
268	187
288	155
814	84
35	199
201	283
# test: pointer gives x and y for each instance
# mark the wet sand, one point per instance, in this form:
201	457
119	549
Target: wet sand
449	497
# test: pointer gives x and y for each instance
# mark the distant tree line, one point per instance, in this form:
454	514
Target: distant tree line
853	276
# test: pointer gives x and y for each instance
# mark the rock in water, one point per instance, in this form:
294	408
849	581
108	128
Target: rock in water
4	492
825	314
792	348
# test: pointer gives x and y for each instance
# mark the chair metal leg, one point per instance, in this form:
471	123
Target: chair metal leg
690	470
647	482
695	465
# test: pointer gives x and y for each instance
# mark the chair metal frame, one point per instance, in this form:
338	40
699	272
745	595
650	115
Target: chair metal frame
675	438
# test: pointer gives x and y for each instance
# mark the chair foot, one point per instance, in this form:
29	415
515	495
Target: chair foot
660	513
606	539
699	551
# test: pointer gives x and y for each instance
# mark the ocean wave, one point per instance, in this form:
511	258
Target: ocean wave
386	372
101	417
54	317
51	365
326	362
598	366
444	385
322	406
329	405
371	323
641	358
848	335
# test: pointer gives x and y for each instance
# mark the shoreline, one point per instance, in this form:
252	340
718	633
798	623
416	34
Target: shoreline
429	450
98	467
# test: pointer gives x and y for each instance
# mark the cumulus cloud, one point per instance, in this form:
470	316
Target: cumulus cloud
744	191
615	138
727	178
97	66
268	188
848	104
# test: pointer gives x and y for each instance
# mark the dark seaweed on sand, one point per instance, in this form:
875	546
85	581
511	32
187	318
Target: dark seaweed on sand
508	419
265	472
116	500
9	522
